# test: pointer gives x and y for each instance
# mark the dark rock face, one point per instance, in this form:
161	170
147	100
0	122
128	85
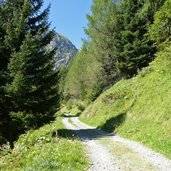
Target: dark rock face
65	50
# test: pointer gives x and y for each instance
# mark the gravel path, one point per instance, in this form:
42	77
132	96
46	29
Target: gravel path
100	158
108	152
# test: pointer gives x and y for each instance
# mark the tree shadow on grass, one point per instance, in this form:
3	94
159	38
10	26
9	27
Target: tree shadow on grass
83	134
68	115
112	123
94	133
65	133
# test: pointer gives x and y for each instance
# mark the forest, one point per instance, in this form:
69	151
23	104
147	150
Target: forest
124	59
123	38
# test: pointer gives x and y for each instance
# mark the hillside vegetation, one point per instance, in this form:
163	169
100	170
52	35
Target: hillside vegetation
138	108
130	41
28	81
121	41
82	76
120	81
45	149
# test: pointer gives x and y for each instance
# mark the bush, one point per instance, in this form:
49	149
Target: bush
81	106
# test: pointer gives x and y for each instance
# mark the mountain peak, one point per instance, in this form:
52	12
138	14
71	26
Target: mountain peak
66	50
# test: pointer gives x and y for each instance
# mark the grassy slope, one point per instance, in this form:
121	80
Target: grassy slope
139	108
41	150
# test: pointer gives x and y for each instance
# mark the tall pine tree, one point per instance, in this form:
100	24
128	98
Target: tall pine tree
3	67
136	50
32	85
103	31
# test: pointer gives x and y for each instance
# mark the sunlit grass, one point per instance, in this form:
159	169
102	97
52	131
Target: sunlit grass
145	100
44	150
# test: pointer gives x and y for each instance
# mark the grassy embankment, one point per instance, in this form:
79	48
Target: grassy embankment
138	108
45	149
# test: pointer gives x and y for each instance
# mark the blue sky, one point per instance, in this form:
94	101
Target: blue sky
69	18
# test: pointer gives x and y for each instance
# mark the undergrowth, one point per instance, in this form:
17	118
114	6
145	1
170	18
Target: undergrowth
44	150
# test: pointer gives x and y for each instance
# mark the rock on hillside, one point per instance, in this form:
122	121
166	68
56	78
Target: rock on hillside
65	50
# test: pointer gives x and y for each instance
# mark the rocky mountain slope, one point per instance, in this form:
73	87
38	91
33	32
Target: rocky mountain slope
66	50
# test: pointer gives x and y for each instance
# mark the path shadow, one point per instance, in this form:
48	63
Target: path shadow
112	123
65	133
105	130
83	134
68	115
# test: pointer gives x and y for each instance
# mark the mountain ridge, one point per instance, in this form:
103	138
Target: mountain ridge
65	52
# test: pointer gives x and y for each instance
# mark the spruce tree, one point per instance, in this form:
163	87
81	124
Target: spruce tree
3	64
136	50
32	85
5	101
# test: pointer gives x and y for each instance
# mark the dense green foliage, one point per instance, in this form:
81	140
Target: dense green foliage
93	68
139	108
119	45
103	28
81	76
135	50
29	92
45	150
160	30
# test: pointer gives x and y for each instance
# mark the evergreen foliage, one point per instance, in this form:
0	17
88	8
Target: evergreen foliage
160	30
82	75
29	86
136	49
119	42
95	62
103	27
3	64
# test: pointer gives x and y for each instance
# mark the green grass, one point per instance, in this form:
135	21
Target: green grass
138	108
44	150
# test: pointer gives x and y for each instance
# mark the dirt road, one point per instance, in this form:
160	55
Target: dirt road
108	152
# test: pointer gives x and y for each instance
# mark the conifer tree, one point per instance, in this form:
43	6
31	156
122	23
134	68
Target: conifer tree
3	64
103	31
136	50
31	87
5	51
160	30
